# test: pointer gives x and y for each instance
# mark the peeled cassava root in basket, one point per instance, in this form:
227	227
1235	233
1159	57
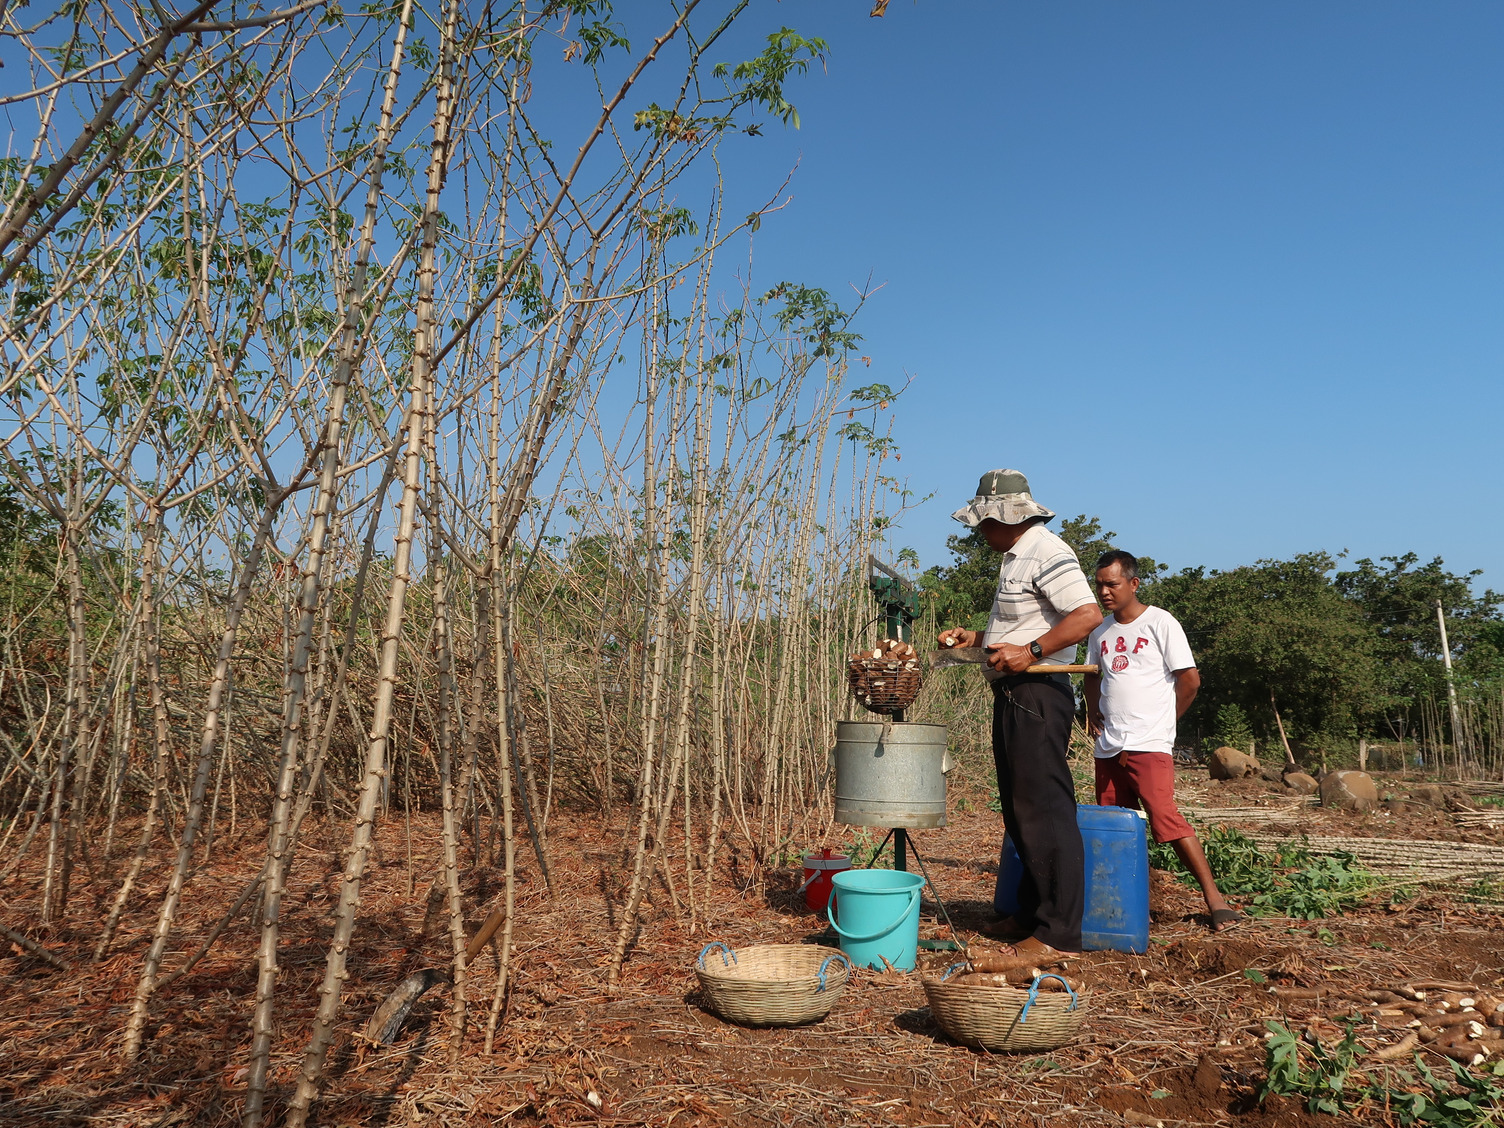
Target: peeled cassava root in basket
996	971
885	677
889	649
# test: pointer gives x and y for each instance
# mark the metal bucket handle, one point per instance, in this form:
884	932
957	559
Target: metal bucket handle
831	916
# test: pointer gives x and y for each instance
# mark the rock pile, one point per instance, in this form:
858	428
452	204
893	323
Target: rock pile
1301	782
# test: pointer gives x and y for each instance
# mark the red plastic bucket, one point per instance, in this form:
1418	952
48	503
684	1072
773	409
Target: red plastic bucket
818	869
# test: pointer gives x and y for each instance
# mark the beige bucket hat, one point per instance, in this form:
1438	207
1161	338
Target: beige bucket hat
1004	496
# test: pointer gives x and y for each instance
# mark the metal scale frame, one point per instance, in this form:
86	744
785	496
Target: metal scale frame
898	602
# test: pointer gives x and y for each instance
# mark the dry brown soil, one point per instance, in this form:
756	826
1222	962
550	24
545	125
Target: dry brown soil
1172	1035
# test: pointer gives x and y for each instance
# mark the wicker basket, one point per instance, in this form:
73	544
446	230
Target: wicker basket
771	984
884	685
1006	1018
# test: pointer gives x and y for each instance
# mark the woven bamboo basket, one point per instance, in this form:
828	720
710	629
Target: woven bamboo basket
771	984
1006	1019
884	685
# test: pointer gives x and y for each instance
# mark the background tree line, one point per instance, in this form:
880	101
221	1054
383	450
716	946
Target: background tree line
1344	651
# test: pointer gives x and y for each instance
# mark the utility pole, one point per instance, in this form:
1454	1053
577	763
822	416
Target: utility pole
1446	658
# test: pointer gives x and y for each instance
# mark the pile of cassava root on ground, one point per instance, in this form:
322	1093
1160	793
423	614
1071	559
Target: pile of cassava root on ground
1459	1020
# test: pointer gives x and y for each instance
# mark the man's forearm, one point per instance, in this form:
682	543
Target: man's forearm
1187	685
1071	630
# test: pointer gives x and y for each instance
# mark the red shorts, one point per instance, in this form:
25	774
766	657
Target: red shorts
1144	780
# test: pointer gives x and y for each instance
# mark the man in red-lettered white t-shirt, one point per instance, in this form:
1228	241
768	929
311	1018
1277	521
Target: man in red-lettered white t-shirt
1148	680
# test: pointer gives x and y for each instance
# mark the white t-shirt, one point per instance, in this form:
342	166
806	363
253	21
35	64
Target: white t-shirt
1138	662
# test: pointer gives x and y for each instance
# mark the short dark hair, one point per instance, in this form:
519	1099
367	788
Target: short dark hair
1124	560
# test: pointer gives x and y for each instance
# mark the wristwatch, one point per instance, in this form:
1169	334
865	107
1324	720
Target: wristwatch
1035	650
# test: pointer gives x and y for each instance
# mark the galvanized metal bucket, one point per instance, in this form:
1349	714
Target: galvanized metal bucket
890	775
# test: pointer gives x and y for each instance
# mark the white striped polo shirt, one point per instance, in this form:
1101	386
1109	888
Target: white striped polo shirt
1039	583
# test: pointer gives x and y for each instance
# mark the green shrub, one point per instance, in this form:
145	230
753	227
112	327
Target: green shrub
1233	729
1290	881
1320	1083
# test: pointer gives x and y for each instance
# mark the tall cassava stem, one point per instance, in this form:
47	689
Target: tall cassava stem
495	578
444	666
146	986
279	833
420	404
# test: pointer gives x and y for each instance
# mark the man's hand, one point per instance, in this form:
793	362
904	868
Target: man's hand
962	637
1009	659
1091	689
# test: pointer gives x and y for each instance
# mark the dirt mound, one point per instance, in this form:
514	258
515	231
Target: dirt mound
1216	956
1182	1020
1198	1093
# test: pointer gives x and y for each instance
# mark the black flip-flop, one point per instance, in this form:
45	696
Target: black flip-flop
1225	920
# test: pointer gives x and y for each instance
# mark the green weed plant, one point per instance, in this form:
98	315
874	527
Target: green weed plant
1332	1080
1290	881
862	849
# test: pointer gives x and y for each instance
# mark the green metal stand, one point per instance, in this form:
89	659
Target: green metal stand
901	847
897	598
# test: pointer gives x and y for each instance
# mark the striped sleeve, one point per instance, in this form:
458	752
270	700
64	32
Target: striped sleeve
1061	582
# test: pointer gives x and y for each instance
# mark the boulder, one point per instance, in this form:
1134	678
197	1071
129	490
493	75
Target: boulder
1301	782
1431	794
1270	772
1229	763
1349	790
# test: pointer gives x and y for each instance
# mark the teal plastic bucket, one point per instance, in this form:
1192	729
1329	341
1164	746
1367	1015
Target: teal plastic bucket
879	916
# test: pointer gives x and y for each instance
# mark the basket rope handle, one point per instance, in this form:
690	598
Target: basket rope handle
833	956
947	973
728	956
1023	1015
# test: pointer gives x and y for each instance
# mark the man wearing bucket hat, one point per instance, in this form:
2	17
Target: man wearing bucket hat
1044	606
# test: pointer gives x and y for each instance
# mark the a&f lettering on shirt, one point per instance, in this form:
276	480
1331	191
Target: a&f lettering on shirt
1138	662
1040	583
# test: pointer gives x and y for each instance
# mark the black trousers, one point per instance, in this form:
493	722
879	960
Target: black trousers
1031	730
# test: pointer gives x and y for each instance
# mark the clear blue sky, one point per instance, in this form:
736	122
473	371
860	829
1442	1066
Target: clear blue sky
1229	276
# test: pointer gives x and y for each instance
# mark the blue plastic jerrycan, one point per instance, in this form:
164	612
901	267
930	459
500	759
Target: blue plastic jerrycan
1117	879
